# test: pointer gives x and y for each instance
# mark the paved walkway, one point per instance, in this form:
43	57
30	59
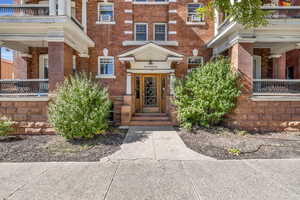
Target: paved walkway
152	175
155	143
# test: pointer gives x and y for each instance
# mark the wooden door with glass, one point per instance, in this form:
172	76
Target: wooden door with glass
150	93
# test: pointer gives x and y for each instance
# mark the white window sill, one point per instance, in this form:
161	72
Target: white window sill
196	23
106	76
278	97
137	43
151	3
102	22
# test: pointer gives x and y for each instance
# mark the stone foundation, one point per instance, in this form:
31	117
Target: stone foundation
29	117
265	115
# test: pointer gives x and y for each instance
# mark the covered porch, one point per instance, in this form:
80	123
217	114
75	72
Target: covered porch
51	38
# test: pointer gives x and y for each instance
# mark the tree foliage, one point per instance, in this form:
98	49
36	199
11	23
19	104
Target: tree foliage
206	94
245	12
80	109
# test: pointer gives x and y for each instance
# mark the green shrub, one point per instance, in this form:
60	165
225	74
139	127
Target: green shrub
5	126
80	109
206	94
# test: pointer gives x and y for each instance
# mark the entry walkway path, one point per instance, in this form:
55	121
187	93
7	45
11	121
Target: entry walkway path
140	173
155	143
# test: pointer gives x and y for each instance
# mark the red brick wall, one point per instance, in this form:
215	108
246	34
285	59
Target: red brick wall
29	117
265	115
6	69
112	36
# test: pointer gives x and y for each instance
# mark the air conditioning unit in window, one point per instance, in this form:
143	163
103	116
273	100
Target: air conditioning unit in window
105	18
195	18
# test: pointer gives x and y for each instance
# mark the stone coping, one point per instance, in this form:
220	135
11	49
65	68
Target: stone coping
24	98
276	98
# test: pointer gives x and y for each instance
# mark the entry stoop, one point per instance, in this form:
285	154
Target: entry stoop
150	119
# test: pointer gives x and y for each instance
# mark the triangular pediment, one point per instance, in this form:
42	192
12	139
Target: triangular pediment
151	51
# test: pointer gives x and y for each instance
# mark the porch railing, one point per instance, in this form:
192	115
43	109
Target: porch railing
30	87
276	86
282	12
24	10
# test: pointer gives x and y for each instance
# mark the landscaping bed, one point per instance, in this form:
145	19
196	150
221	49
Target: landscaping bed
47	148
222	143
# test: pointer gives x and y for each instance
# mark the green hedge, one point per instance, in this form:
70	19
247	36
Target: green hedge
81	108
206	94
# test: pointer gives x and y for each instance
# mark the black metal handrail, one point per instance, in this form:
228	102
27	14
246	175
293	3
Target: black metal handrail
276	86
24	87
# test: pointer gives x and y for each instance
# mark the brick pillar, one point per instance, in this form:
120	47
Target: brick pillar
60	62
83	64
33	66
242	60
280	63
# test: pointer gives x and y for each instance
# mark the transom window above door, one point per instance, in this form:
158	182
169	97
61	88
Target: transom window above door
141	32
105	12
160	32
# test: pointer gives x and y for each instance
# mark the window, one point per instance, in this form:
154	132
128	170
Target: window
194	62
160	32
106	12
193	16
141	30
106	66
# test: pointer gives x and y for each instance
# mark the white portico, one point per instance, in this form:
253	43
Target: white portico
150	72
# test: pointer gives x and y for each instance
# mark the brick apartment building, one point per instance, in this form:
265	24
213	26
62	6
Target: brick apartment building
137	48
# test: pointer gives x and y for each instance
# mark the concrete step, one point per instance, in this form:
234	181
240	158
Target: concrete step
150	118
150	123
151	109
151	114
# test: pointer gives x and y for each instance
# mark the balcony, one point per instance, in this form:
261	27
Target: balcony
24	10
34	25
274	13
29	87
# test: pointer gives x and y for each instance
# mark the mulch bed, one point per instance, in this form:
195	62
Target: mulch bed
50	148
225	144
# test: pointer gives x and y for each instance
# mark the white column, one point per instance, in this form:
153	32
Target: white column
128	84
217	21
84	15
61	7
52	7
172	83
68	8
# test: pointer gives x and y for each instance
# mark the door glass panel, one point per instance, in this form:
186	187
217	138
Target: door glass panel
150	91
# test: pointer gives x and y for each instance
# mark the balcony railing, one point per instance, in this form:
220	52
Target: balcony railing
24	10
30	87
282	12
276	86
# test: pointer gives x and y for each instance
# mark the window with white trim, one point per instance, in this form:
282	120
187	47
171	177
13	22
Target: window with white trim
106	67
141	31
194	62
105	12
192	15
160	31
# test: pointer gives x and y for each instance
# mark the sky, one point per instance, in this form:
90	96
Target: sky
6	1
4	53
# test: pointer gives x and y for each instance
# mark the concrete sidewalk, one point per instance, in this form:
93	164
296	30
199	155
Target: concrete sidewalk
152	180
155	143
153	164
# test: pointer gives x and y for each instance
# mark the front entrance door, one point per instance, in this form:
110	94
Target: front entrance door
150	93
